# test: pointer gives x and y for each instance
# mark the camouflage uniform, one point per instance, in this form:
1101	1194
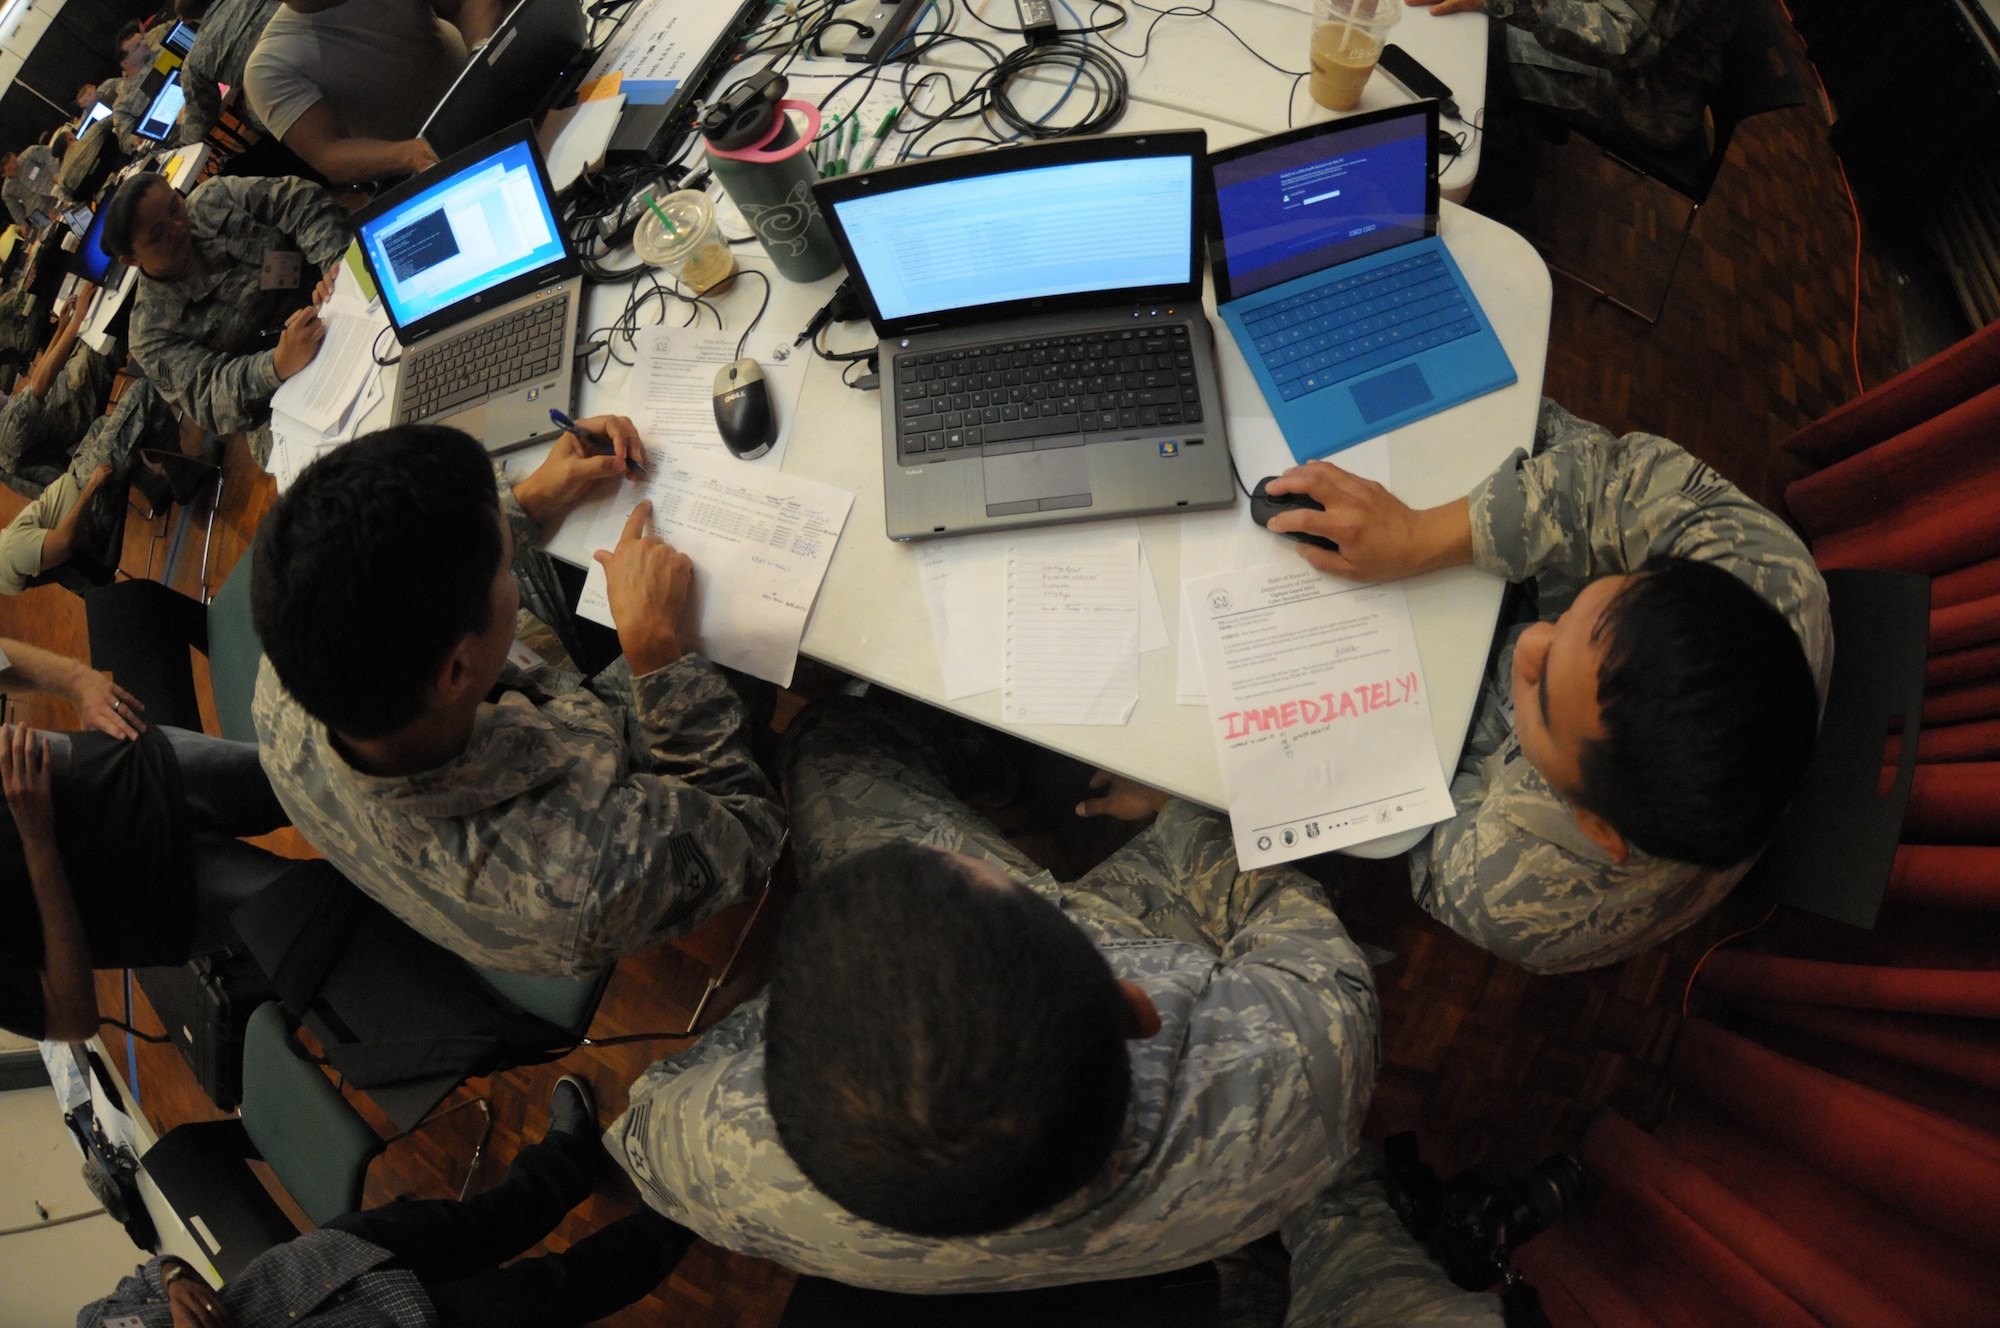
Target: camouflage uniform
130	108
1246	1104
98	147
204	335
583	822
140	419
28	189
1643	68
38	434
1512	872
228	34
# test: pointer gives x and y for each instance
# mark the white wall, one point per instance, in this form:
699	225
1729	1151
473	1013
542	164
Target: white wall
46	1274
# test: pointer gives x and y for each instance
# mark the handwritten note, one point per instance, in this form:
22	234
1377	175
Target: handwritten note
671	392
760	541
1319	710
1072	650
963	578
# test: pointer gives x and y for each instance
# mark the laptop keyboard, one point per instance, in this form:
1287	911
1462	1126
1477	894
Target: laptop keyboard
1331	333
951	403
485	361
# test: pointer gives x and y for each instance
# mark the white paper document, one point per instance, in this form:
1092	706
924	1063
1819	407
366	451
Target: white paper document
320	395
963	578
1319	709
1218	541
1072	649
670	394
760	541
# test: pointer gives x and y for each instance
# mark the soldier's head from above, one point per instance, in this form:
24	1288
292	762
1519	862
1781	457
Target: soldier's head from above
146	225
1672	708
8	165
86	96
383	588
944	1050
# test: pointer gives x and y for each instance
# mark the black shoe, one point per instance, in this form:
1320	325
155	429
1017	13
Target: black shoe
573	1108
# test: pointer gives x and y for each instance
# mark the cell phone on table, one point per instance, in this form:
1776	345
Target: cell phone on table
1405	68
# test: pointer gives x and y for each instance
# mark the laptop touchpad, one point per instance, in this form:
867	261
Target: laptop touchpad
1037	481
1392	393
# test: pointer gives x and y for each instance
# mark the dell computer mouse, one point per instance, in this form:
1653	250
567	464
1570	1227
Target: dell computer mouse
1264	506
743	409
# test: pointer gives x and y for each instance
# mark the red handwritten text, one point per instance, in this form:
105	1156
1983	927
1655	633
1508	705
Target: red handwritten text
1355	701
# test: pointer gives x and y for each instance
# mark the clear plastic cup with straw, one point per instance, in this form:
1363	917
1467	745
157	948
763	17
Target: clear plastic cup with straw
1347	40
678	232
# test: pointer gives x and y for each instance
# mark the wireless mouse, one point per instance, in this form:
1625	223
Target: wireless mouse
743	409
1264	506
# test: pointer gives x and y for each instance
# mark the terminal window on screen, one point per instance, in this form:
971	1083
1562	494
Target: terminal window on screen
1055	230
471	233
1308	206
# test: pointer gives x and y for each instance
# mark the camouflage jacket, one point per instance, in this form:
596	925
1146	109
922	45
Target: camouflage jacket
1512	872
205	336
33	181
1644	66
228	34
1245	1105
130	108
580	824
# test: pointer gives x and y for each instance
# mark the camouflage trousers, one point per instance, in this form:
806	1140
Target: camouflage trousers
37	439
1639	104
861	773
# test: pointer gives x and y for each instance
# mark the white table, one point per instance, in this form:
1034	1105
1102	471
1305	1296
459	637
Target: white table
871	620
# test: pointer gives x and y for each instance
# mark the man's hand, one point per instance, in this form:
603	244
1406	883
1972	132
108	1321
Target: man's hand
1125	799
324	290
107	707
647	582
95	484
1380	537
300	341
194	1305
24	774
415	156
573	470
1450	6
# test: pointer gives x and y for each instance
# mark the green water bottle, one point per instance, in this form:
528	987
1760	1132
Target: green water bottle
764	167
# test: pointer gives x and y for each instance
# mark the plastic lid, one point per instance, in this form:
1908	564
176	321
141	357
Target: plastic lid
692	217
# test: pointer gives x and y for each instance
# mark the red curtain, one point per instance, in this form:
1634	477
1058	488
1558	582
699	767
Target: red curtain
1832	1152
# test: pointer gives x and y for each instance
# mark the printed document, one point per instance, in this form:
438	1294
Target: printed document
1072	652
671	392
760	541
964	578
1321	716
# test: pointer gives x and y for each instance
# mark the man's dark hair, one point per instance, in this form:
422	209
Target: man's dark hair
131	28
1710	713
379	560
82	88
121	214
191	11
943	1056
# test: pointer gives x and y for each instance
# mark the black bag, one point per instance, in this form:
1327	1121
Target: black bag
205	1005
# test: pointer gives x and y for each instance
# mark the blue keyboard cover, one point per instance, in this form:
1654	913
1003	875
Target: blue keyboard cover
1331	333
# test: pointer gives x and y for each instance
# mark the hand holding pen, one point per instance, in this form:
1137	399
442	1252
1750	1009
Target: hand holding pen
627	447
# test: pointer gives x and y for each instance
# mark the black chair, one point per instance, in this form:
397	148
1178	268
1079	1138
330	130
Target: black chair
1187	1298
1836	845
1759	74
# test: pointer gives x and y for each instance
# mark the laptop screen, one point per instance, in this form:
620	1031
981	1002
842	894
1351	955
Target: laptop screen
90	262
1305	206
166	109
181	39
1025	234
462	236
97	111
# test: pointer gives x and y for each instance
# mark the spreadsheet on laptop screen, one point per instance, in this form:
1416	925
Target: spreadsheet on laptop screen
1304	207
1022	235
466	234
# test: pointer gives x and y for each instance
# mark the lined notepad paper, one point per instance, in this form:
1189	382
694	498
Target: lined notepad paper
1072	649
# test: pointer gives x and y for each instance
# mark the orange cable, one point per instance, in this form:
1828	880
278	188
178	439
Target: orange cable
1688	995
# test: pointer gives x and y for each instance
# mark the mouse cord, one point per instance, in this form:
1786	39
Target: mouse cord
757	317
1236	474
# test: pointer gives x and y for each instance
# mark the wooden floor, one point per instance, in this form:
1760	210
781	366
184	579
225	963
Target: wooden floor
1485	1062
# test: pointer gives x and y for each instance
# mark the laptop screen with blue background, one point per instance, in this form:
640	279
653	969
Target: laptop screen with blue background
1022	235
1304	207
466	234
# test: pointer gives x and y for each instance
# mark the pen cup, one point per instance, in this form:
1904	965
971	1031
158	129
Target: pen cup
1347	40
677	231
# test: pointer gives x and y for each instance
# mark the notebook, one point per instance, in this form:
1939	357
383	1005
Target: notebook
1330	275
1044	355
482	289
517	75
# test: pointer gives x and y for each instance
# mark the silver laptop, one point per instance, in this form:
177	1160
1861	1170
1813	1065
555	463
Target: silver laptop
1044	355
483	291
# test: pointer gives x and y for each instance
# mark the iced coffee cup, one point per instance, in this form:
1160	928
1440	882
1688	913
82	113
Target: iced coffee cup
1346	42
677	231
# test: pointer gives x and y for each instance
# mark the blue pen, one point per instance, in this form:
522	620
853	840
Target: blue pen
591	438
